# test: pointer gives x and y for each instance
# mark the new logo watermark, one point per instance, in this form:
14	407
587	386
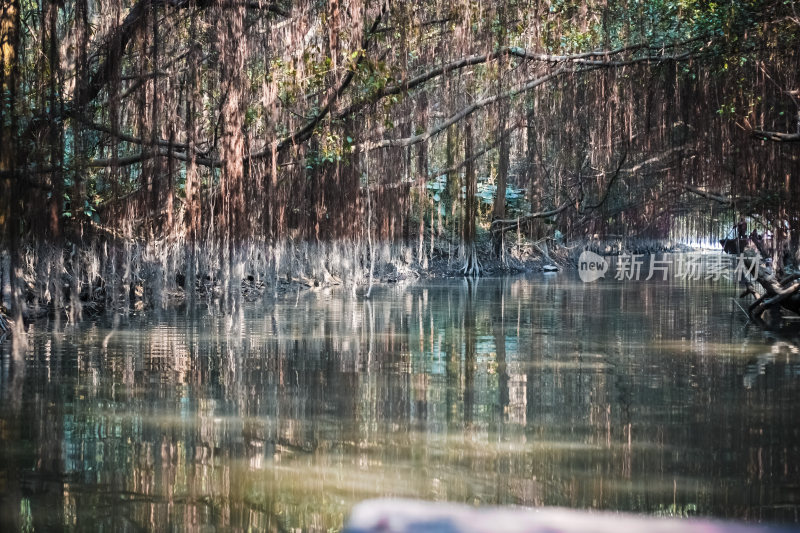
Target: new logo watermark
591	266
690	266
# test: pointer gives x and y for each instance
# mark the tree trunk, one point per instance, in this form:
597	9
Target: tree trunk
471	265
453	191
12	190
499	209
532	180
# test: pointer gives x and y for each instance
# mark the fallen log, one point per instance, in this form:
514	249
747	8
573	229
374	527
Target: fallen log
777	298
783	293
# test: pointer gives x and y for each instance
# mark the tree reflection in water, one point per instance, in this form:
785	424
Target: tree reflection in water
501	391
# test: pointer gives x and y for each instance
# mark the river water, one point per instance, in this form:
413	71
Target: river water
646	396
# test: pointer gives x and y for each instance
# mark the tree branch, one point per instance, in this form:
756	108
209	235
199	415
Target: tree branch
709	195
476	155
150	154
424	136
581	59
775	136
510	223
130	138
610	182
304	133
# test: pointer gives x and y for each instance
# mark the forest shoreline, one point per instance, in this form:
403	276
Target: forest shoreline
95	281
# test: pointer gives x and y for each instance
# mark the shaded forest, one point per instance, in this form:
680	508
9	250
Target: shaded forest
154	146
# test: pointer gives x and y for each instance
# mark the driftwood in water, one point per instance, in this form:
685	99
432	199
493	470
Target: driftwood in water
405	516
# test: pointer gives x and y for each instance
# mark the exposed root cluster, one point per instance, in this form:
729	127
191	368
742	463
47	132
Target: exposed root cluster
82	282
472	266
86	280
5	325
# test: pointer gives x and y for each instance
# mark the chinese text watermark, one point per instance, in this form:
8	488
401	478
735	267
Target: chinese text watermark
646	267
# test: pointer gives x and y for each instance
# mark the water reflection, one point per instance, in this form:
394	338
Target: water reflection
649	396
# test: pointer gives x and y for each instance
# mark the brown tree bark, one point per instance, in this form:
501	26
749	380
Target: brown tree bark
499	207
471	265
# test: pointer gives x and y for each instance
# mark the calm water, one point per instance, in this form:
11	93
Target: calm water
652	397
